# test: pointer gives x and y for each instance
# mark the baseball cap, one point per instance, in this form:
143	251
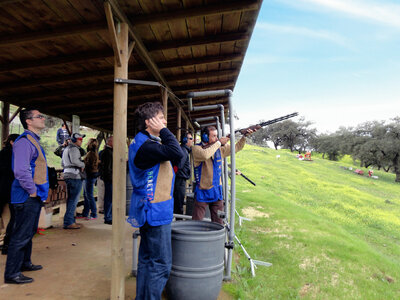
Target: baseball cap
77	136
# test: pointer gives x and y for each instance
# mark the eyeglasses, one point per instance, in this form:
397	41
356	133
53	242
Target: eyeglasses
38	117
190	138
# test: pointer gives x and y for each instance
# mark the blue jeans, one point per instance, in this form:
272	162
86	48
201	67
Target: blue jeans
155	261
107	201
74	187
25	226
90	203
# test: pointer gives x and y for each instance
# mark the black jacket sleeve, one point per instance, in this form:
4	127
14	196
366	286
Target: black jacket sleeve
152	152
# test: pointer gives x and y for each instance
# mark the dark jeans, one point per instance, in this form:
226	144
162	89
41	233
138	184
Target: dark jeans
25	226
200	209
155	261
179	194
107	201
74	187
90	203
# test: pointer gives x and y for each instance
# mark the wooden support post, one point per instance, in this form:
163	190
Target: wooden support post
164	98
179	122
5	129
76	124
119	168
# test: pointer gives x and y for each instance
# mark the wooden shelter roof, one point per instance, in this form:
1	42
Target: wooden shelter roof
57	55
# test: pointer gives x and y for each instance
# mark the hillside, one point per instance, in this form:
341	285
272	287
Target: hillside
330	233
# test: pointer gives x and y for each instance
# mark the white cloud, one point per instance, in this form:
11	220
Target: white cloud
381	12
303	31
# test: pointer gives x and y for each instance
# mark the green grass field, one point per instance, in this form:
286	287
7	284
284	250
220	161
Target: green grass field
329	233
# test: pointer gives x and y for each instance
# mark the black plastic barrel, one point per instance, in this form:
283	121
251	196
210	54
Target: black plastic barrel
197	260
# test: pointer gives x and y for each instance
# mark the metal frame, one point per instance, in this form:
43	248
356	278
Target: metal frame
231	203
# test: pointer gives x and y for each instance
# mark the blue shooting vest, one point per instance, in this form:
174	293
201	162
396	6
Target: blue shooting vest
214	193
150	202
39	173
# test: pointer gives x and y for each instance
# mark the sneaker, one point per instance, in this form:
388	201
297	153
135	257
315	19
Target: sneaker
90	218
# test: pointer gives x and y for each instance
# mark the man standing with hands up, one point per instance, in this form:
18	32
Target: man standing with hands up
152	203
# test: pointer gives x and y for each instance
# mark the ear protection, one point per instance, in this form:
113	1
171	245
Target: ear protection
74	138
184	140
204	135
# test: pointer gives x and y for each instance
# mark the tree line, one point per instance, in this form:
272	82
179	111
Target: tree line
373	144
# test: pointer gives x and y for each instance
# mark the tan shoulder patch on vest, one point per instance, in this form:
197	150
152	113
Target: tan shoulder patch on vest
40	176
164	182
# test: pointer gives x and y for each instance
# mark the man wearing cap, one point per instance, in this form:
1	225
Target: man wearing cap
73	169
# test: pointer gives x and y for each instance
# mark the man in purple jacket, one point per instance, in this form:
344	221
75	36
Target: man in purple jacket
28	192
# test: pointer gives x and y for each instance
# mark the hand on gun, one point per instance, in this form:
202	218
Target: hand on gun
224	140
249	131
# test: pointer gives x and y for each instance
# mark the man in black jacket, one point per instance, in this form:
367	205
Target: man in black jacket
106	168
6	179
183	173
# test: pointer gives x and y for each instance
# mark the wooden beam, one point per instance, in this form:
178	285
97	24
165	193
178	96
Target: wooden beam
131	46
199	61
27	83
203	75
7	2
142	51
205	40
15	114
67	127
198	11
113	33
64	31
41	96
119	170
138	69
5	128
178	121
56	61
164	99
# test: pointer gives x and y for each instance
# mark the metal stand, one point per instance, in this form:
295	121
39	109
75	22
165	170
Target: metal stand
135	236
253	262
241	218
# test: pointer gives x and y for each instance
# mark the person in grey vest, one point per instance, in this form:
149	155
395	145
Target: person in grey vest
73	175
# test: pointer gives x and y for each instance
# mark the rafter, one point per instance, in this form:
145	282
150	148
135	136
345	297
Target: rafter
64	31
200	11
57	60
206	40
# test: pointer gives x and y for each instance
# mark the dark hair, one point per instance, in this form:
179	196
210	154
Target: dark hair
146	111
92	145
10	138
25	114
184	138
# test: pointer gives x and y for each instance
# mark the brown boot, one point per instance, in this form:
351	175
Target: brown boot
73	226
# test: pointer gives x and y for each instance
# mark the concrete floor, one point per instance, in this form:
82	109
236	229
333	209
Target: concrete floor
76	264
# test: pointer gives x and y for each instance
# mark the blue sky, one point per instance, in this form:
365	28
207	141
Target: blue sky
336	62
